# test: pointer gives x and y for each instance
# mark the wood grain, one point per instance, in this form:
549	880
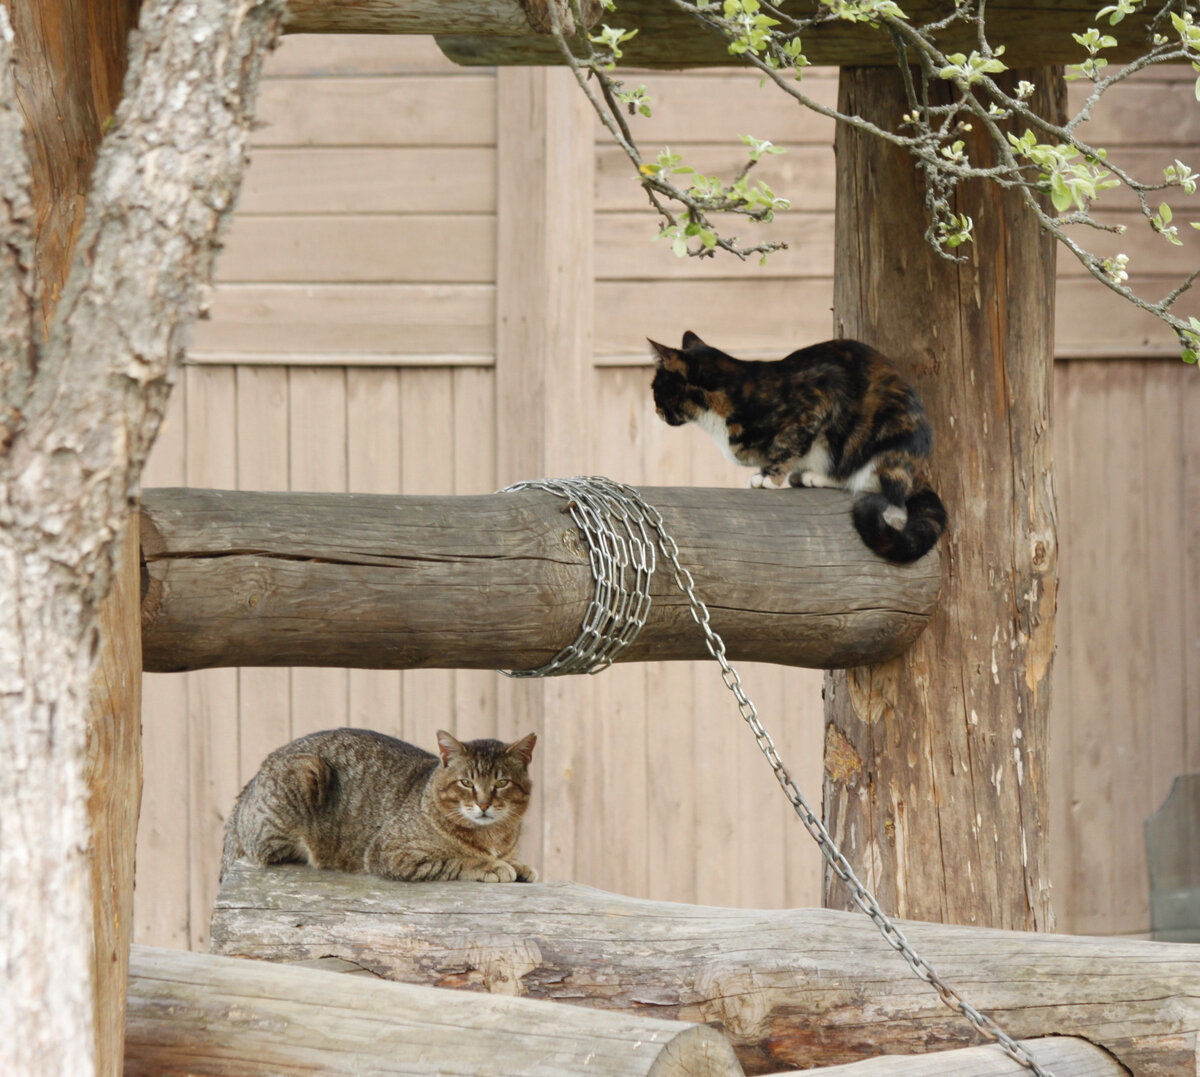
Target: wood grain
794	987
935	761
238	578
197	1014
1064	1056
1035	32
114	777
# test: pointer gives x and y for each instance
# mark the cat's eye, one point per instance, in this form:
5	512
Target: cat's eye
466	783
502	783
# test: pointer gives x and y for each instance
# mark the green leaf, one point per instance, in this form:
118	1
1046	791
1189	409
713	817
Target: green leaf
1060	193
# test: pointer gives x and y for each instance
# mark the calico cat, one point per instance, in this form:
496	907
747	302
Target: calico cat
355	800
834	414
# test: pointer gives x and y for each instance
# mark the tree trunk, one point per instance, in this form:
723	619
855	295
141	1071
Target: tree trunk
80	410
788	987
283	579
936	761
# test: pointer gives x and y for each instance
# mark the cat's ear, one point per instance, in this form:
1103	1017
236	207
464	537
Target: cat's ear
669	358
448	746
523	747
690	340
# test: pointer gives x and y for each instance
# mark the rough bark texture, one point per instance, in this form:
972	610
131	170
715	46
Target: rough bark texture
1033	31
71	59
503	580
195	1014
790	987
935	761
79	431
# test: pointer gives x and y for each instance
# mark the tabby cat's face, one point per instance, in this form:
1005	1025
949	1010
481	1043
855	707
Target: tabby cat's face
483	782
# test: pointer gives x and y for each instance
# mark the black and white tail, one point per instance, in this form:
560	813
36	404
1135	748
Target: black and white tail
924	526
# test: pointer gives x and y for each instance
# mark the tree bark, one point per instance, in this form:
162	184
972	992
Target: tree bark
71	56
195	1014
504	580
80	411
936	761
788	987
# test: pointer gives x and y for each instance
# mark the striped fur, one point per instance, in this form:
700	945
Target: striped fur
356	800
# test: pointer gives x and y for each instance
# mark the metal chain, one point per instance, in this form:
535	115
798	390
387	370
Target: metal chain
622	564
618	613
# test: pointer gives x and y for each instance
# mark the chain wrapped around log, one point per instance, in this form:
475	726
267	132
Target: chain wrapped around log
234	578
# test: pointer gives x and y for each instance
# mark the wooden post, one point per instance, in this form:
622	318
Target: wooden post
788	987
71	56
114	776
544	313
935	761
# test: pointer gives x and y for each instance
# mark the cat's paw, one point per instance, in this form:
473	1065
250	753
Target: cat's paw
895	517
498	871
525	874
762	481
813	480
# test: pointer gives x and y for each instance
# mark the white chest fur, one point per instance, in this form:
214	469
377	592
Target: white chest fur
713	425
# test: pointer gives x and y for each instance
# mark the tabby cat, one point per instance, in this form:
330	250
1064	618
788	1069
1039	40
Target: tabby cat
834	414
356	800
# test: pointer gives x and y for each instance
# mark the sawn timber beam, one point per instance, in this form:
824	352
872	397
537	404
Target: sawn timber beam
503	580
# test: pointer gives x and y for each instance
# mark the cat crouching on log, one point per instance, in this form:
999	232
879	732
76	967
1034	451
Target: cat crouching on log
835	414
356	800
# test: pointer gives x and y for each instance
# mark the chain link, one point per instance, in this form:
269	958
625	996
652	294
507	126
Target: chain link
614	618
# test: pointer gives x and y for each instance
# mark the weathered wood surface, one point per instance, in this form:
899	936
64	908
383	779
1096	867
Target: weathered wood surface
503	580
195	1014
798	987
1063	1056
505	17
114	778
1034	32
935	760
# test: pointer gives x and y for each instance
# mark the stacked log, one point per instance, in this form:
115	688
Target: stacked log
194	1014
789	988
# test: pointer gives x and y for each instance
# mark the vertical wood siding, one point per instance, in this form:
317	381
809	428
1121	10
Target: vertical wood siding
354	346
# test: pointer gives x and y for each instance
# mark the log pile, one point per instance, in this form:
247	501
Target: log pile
789	988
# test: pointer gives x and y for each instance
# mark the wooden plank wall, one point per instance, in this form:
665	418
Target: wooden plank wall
354	346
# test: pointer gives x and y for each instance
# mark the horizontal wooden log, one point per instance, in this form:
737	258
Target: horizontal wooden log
797	987
503	17
192	1014
1035	33
1063	1056
503	580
